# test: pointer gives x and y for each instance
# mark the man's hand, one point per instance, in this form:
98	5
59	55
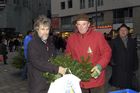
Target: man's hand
96	71
62	70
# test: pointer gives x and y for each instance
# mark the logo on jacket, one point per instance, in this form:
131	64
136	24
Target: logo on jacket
89	50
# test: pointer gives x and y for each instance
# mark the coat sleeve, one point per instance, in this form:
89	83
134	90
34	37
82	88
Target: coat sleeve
39	61
136	61
112	62
105	51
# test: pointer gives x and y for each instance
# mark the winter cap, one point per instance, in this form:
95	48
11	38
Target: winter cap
82	17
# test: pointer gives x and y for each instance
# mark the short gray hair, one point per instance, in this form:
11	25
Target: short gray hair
42	19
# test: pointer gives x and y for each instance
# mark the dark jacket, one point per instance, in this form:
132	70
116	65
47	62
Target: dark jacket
39	54
3	49
125	62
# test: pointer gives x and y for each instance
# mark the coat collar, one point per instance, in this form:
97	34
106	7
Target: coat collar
40	40
121	41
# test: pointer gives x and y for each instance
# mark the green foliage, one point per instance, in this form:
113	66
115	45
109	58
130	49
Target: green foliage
19	61
51	77
81	70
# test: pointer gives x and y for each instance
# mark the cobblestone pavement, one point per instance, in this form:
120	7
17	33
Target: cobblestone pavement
10	79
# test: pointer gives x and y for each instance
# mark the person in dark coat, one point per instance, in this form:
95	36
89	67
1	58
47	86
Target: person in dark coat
124	59
39	51
11	45
3	51
27	39
17	44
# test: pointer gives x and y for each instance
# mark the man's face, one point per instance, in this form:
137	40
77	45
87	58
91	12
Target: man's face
82	26
43	31
123	32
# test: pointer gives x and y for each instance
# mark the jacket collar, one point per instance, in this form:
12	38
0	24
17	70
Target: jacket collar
40	40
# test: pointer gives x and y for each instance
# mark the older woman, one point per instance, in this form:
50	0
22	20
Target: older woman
125	59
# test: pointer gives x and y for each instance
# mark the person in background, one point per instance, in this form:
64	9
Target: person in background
16	44
3	51
26	41
11	45
124	60
39	52
86	42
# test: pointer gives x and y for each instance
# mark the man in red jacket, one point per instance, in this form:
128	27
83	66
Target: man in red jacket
86	42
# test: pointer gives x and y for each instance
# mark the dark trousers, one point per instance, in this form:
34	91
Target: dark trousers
41	87
5	59
94	90
24	72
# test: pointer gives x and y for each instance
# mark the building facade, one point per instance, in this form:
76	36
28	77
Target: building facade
102	12
18	15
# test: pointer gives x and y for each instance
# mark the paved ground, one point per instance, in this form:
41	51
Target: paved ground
10	79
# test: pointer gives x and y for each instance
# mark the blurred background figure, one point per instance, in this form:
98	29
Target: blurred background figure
124	60
11	45
3	50
16	44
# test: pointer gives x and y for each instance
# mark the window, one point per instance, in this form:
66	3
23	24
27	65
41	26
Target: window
123	15
69	3
62	5
2	1
128	12
39	4
5	1
82	4
66	23
90	3
25	3
16	1
99	18
49	13
100	2
66	20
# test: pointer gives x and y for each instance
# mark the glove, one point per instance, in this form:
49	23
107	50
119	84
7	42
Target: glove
62	70
96	71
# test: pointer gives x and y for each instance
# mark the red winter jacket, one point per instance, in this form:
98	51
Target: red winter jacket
91	44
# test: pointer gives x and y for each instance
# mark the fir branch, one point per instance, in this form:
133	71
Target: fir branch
81	70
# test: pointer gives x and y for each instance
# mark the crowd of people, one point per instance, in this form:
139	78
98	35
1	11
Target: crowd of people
120	53
9	45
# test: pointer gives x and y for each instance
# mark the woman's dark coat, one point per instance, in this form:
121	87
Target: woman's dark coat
38	55
125	62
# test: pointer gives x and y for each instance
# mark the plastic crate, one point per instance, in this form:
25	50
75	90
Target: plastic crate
124	91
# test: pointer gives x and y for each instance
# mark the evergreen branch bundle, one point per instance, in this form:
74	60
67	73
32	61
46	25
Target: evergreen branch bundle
81	70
